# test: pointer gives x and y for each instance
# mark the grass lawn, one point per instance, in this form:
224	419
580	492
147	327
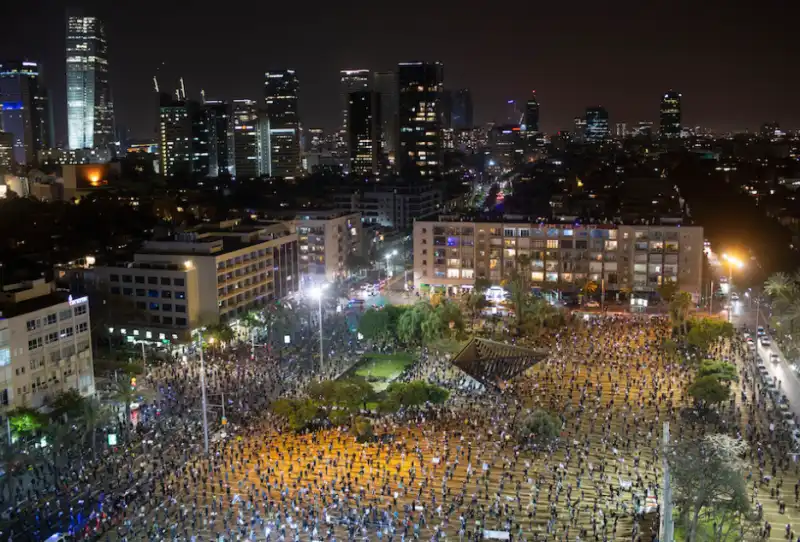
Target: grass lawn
385	366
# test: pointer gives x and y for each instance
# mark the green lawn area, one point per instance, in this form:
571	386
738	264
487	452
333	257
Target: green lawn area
386	366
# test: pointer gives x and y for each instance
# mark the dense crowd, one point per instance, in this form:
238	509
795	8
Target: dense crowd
454	470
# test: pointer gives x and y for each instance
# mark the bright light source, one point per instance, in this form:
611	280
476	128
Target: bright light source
316	292
188	264
394	253
211	340
90	260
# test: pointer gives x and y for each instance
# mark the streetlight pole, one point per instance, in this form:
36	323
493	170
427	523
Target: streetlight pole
144	359
203	389
321	347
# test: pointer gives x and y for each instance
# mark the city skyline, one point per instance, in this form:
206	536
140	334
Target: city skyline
570	64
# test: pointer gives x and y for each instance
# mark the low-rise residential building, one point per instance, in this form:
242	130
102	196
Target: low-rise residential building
45	344
214	274
450	254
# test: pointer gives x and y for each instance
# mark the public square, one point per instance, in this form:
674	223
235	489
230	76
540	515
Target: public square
453	471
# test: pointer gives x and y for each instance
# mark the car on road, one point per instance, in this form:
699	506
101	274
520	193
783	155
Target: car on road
774	358
734	296
760	331
592	304
765	341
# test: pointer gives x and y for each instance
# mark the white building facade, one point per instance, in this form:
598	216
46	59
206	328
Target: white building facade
45	345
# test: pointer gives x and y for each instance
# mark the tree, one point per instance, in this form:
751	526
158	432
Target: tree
220	333
95	415
779	285
679	306
707	482
518	287
668	290
26	421
539	428
409	325
708	390
67	403
706	331
721	370
588	288
124	393
363	429
412	394
374	324
475	301
57	435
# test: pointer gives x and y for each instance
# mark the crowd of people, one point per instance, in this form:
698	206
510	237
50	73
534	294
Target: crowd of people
453	471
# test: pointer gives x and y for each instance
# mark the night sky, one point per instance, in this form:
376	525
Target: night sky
734	62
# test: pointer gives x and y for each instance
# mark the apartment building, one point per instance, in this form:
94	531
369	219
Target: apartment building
450	254
45	344
210	275
392	205
325	239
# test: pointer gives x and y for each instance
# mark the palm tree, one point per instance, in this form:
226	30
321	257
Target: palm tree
679	310
95	415
57	435
123	392
779	285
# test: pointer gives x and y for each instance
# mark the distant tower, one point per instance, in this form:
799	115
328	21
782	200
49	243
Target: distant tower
531	119
671	115
364	132
90	110
596	129
420	88
281	90
24	109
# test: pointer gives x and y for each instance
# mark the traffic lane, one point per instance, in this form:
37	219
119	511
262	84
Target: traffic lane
790	385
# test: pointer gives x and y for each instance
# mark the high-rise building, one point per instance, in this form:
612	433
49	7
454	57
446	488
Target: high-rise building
385	83
218	120
506	143
175	133
596	129
531	119
420	87
671	114
6	152
90	110
364	132
245	139
25	109
281	88
461	109
351	81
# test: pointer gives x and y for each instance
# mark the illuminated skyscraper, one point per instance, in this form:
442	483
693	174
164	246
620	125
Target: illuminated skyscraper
596	129
420	87
90	110
24	109
175	131
281	88
364	132
245	139
671	114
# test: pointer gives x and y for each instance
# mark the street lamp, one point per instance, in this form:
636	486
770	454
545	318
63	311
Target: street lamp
203	391
316	293
732	262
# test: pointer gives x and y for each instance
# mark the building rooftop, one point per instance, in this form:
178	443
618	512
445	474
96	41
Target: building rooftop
26	297
515	218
